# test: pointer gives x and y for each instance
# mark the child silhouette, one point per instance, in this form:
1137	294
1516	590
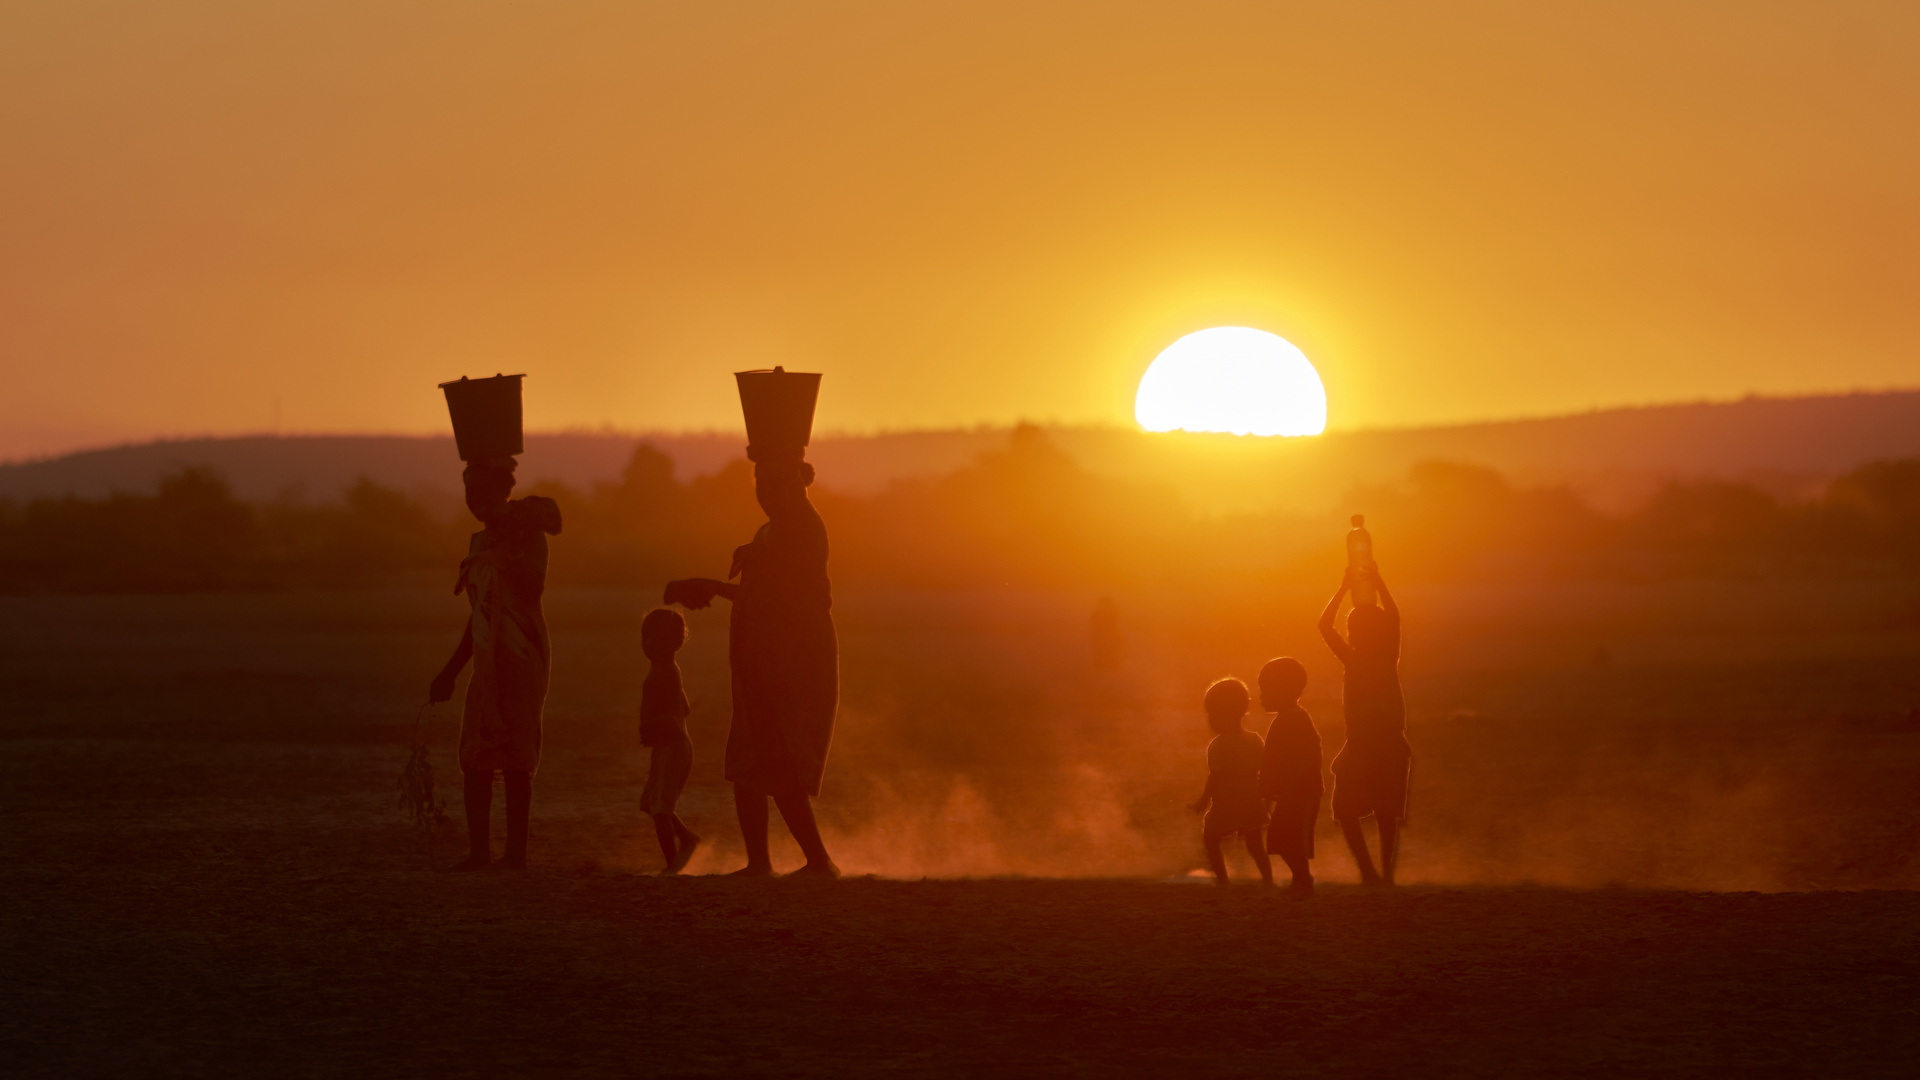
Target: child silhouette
1290	769
1231	801
1370	771
663	728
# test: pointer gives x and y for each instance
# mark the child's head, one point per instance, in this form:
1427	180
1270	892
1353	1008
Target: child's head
1281	682
1367	629
662	633
1227	702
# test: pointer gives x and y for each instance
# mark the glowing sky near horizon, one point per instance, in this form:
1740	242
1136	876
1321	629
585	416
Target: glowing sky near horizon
220	217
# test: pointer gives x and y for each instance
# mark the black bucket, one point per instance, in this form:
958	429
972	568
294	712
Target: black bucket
486	416
778	405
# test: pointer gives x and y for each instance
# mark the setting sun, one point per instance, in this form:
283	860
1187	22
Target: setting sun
1234	379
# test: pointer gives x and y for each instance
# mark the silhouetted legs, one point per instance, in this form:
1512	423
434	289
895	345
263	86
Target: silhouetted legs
751	807
797	811
1259	852
1302	877
676	841
1217	859
477	793
1389	845
1389	848
519	809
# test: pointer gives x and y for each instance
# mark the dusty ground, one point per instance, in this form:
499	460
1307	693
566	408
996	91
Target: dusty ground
206	874
269	947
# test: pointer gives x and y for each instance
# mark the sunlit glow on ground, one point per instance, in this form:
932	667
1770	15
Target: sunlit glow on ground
1234	379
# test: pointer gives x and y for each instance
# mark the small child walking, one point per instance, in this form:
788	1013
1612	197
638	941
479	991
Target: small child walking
1232	802
663	728
1290	770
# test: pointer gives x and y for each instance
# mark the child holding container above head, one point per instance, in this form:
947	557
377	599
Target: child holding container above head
1370	771
663	729
1231	801
1290	770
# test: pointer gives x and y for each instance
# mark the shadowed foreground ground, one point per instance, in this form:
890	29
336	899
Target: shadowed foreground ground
205	873
214	967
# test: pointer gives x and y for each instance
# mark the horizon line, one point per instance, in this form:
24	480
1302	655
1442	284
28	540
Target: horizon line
983	427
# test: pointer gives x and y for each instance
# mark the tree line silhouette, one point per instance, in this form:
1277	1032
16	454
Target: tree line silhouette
1026	515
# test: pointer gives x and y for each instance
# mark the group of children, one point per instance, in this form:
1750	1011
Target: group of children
1260	789
1274	785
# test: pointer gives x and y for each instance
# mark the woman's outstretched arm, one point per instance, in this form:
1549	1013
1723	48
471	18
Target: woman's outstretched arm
697	592
441	689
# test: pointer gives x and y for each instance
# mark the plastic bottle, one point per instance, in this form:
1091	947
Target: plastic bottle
1359	558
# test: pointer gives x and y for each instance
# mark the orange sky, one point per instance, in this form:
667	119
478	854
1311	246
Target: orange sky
966	212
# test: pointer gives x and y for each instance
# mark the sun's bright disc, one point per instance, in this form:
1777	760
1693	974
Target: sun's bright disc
1232	378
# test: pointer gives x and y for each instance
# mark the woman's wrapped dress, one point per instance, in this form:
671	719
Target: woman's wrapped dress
784	656
504	575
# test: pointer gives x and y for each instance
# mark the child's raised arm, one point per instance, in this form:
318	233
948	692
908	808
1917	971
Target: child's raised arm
1386	598
1332	636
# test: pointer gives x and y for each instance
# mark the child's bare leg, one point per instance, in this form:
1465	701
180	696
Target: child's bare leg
1357	843
1216	859
751	806
1389	845
1259	852
669	841
797	812
688	841
1302	877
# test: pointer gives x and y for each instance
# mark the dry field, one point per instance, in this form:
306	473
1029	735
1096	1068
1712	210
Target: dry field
1656	830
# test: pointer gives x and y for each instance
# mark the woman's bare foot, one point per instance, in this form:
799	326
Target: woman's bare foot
820	869
468	865
750	870
1301	888
685	854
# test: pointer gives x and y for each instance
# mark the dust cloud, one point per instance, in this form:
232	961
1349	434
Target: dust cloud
995	740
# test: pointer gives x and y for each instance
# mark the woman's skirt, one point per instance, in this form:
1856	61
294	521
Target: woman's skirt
667	776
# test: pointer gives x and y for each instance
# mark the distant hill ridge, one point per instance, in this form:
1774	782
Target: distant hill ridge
1610	454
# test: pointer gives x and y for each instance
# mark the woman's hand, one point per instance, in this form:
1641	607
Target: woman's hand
693	593
441	689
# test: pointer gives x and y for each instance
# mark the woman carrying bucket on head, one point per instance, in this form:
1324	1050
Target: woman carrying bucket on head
503	576
780	643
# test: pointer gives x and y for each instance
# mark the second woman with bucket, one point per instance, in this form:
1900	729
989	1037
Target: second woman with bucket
504	577
780	643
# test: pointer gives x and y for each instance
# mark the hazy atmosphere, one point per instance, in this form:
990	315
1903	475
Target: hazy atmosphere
230	217
1048	539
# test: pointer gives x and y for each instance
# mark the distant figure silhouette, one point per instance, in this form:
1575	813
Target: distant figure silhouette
1232	800
1370	772
1290	770
785	661
663	728
504	575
